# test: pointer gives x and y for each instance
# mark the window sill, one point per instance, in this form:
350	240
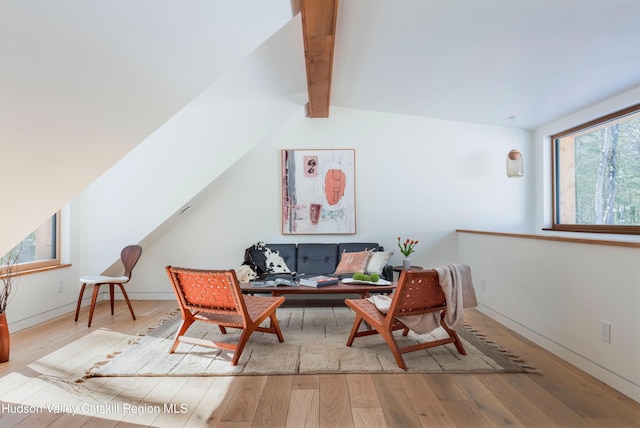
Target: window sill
601	229
591	241
41	269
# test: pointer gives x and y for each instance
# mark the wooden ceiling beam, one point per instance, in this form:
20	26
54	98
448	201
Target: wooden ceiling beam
319	33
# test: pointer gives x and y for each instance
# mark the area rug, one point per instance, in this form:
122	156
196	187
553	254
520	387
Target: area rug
315	342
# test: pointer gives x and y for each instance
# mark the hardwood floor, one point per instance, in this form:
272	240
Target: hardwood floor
563	397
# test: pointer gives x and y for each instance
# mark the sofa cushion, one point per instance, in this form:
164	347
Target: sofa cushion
354	247
351	263
378	261
288	252
317	259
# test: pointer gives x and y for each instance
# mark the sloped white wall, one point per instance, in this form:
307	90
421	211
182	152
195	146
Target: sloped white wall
163	173
142	194
82	83
416	177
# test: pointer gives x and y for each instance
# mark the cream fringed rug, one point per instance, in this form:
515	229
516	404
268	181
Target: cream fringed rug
315	342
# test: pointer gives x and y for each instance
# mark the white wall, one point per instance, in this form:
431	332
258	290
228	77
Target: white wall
558	293
415	177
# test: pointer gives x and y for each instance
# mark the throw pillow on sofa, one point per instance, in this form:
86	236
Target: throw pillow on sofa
264	260
351	263
378	261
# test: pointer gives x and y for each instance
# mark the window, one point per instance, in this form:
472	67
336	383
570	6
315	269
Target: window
41	248
596	175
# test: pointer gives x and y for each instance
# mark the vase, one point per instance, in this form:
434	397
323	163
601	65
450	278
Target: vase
4	338
406	263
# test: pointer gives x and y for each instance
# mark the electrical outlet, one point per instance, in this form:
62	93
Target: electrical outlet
59	287
484	284
605	330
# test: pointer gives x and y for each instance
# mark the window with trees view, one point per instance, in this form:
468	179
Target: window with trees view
596	175
41	248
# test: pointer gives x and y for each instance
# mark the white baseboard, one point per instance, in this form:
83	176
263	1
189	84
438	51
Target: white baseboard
36	319
601	373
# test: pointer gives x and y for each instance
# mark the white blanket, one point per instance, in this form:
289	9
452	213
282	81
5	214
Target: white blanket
457	286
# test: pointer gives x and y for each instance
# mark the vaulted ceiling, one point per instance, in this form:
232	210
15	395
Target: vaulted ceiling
483	61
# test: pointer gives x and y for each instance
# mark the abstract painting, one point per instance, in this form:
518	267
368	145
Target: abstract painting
318	191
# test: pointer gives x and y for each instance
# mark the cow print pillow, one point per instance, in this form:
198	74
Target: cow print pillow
264	260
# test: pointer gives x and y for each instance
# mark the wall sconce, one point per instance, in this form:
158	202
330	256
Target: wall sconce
515	164
515	167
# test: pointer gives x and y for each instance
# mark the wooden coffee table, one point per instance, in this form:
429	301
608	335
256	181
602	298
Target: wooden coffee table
363	290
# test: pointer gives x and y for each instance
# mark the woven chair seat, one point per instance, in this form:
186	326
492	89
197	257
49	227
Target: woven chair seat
256	305
371	314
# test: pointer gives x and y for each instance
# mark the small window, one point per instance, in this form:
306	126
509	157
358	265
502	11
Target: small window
41	248
596	175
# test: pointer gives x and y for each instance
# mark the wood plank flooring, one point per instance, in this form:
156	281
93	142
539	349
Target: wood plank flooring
563	397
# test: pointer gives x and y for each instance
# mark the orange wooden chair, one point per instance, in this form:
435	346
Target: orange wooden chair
129	256
214	296
418	292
